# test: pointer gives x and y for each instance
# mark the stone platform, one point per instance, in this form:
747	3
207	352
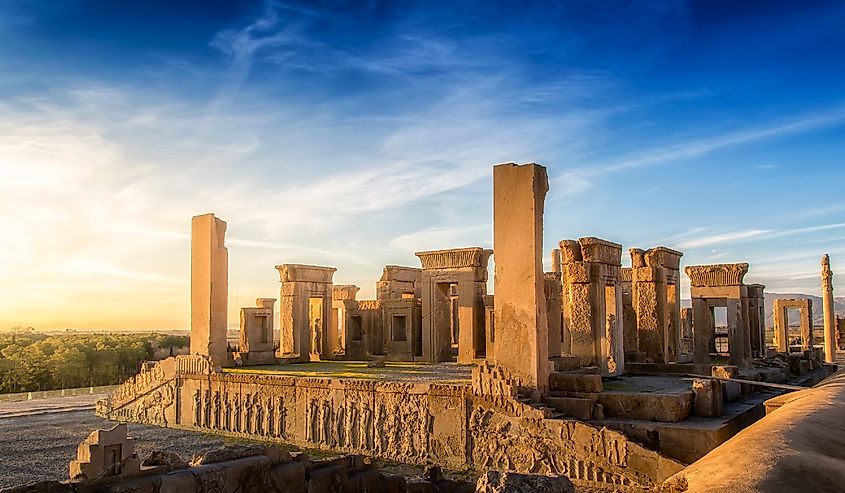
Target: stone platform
364	370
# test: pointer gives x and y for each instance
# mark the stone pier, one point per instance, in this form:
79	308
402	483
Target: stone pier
209	288
827	303
521	340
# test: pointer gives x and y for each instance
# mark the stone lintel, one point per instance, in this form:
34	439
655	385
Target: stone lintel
661	256
755	290
626	274
305	273
780	303
717	274
601	251
370	304
256	311
400	273
265	302
344	291
454	258
713	292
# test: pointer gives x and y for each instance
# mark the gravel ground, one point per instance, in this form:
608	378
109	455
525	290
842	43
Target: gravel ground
39	447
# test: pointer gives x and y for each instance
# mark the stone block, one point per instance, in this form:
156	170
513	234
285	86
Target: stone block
418	485
508	482
391	483
707	400
288	477
724	371
600	251
576	273
572	406
328	479
575	383
666	408
566	363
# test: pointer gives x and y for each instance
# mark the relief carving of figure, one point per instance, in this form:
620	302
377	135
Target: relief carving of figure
197	408
248	413
316	337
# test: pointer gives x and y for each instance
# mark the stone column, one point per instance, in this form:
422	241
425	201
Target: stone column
553	305
556	260
521	343
808	339
827	300
209	288
739	341
702	330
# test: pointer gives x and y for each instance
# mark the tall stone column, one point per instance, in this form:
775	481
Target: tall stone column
521	343
209	288
829	322
555	255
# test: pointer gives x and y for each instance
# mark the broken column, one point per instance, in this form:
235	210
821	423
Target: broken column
827	303
209	288
521	339
305	309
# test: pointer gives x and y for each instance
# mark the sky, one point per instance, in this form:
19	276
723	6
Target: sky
353	134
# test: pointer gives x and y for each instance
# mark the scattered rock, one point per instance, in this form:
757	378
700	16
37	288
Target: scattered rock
230	452
510	482
170	460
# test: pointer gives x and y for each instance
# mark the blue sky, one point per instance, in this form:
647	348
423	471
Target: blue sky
355	133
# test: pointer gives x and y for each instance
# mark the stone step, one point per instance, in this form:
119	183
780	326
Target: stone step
575	382
572	406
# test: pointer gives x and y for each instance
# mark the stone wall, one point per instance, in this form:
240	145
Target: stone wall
486	425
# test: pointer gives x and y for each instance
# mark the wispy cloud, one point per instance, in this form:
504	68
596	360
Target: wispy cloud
690	149
721	238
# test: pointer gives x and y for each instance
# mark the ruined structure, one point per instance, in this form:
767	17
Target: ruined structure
656	301
305	308
722	285
548	389
781	323
454	283
209	288
592	303
105	453
256	338
827	303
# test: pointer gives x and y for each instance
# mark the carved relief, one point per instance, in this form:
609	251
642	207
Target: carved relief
579	451
716	275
